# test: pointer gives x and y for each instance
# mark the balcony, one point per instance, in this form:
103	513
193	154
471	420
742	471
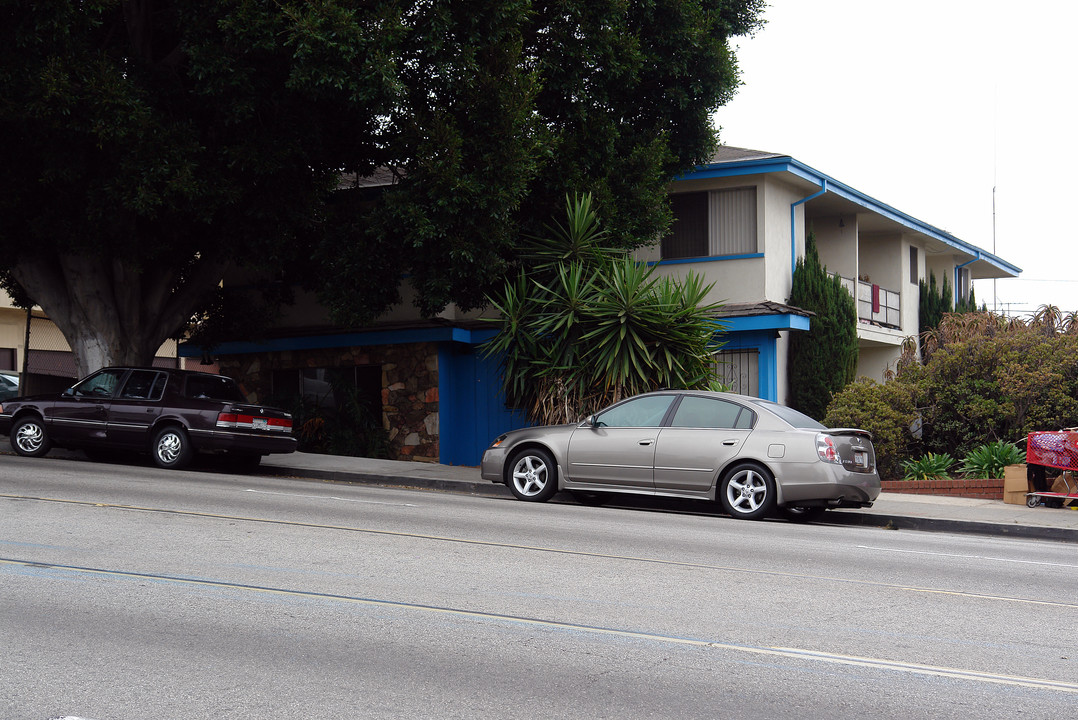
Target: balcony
875	304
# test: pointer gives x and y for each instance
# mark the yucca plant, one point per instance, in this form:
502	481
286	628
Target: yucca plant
989	461
583	326
933	466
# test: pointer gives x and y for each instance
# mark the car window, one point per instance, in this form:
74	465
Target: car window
795	418
701	412
645	411
212	387
144	385
101	384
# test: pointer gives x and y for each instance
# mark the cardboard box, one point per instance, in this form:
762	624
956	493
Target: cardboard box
1060	486
1015	484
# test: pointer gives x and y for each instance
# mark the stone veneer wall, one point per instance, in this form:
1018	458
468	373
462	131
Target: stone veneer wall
409	387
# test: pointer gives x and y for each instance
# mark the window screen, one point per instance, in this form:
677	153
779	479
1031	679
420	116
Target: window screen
712	224
689	233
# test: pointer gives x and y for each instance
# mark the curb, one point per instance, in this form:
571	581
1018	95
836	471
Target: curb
970	527
833	517
465	487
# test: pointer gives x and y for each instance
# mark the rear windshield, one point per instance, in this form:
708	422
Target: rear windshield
212	387
795	418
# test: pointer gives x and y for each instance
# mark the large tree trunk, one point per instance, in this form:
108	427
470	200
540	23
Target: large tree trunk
112	312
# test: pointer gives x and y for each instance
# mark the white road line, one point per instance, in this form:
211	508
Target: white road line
802	654
331	497
966	557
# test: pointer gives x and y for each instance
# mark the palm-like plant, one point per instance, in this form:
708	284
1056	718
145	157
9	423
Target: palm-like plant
584	325
990	460
932	466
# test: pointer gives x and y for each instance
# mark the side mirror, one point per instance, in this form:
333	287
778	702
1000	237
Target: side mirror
591	421
68	392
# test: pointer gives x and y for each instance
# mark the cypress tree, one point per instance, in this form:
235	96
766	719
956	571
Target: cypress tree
934	304
823	360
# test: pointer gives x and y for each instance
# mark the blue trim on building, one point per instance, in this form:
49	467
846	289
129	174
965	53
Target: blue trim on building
759	166
471	406
356	339
765	343
710	258
753	323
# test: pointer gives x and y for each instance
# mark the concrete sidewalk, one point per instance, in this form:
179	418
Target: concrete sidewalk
894	510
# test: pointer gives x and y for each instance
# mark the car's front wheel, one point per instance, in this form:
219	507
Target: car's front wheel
30	438
533	475
747	492
171	448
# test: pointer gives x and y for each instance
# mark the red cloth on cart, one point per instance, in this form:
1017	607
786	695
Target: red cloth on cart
1053	449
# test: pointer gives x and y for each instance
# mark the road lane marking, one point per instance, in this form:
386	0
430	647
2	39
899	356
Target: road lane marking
330	497
557	551
882	664
966	557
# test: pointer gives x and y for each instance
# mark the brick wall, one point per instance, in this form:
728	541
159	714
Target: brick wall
968	488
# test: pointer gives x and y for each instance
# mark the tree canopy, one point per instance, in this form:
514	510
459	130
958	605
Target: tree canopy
152	146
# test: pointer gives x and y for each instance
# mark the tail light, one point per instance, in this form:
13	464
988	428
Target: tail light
825	448
251	422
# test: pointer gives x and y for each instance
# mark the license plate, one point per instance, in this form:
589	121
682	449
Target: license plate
259	423
860	459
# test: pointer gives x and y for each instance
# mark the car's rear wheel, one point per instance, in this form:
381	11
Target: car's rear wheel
172	448
533	475
747	492
30	438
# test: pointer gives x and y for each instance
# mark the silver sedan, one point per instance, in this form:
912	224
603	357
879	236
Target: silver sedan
754	456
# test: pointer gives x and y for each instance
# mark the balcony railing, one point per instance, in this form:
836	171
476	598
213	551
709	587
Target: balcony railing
875	304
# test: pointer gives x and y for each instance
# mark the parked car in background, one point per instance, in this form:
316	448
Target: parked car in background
754	456
9	386
170	414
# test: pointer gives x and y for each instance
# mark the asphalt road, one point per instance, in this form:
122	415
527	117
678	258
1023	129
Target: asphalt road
132	592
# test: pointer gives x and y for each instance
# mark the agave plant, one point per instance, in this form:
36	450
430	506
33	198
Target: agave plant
989	461
583	326
933	466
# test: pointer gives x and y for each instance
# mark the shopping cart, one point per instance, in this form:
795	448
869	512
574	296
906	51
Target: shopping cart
1058	450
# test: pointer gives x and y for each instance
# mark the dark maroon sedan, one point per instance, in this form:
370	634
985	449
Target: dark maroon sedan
172	414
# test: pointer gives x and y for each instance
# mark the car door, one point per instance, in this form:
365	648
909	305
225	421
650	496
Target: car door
703	435
618	449
79	415
135	408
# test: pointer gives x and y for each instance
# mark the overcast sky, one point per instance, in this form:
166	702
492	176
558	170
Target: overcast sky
926	105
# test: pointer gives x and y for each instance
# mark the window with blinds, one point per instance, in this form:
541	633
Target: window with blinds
712	224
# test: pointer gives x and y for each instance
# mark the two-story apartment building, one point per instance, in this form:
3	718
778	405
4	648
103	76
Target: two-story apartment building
741	222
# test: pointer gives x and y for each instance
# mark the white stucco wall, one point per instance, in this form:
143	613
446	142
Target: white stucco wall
836	242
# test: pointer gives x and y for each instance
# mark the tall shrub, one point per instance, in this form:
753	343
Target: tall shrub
823	360
934	303
989	379
583	326
886	410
